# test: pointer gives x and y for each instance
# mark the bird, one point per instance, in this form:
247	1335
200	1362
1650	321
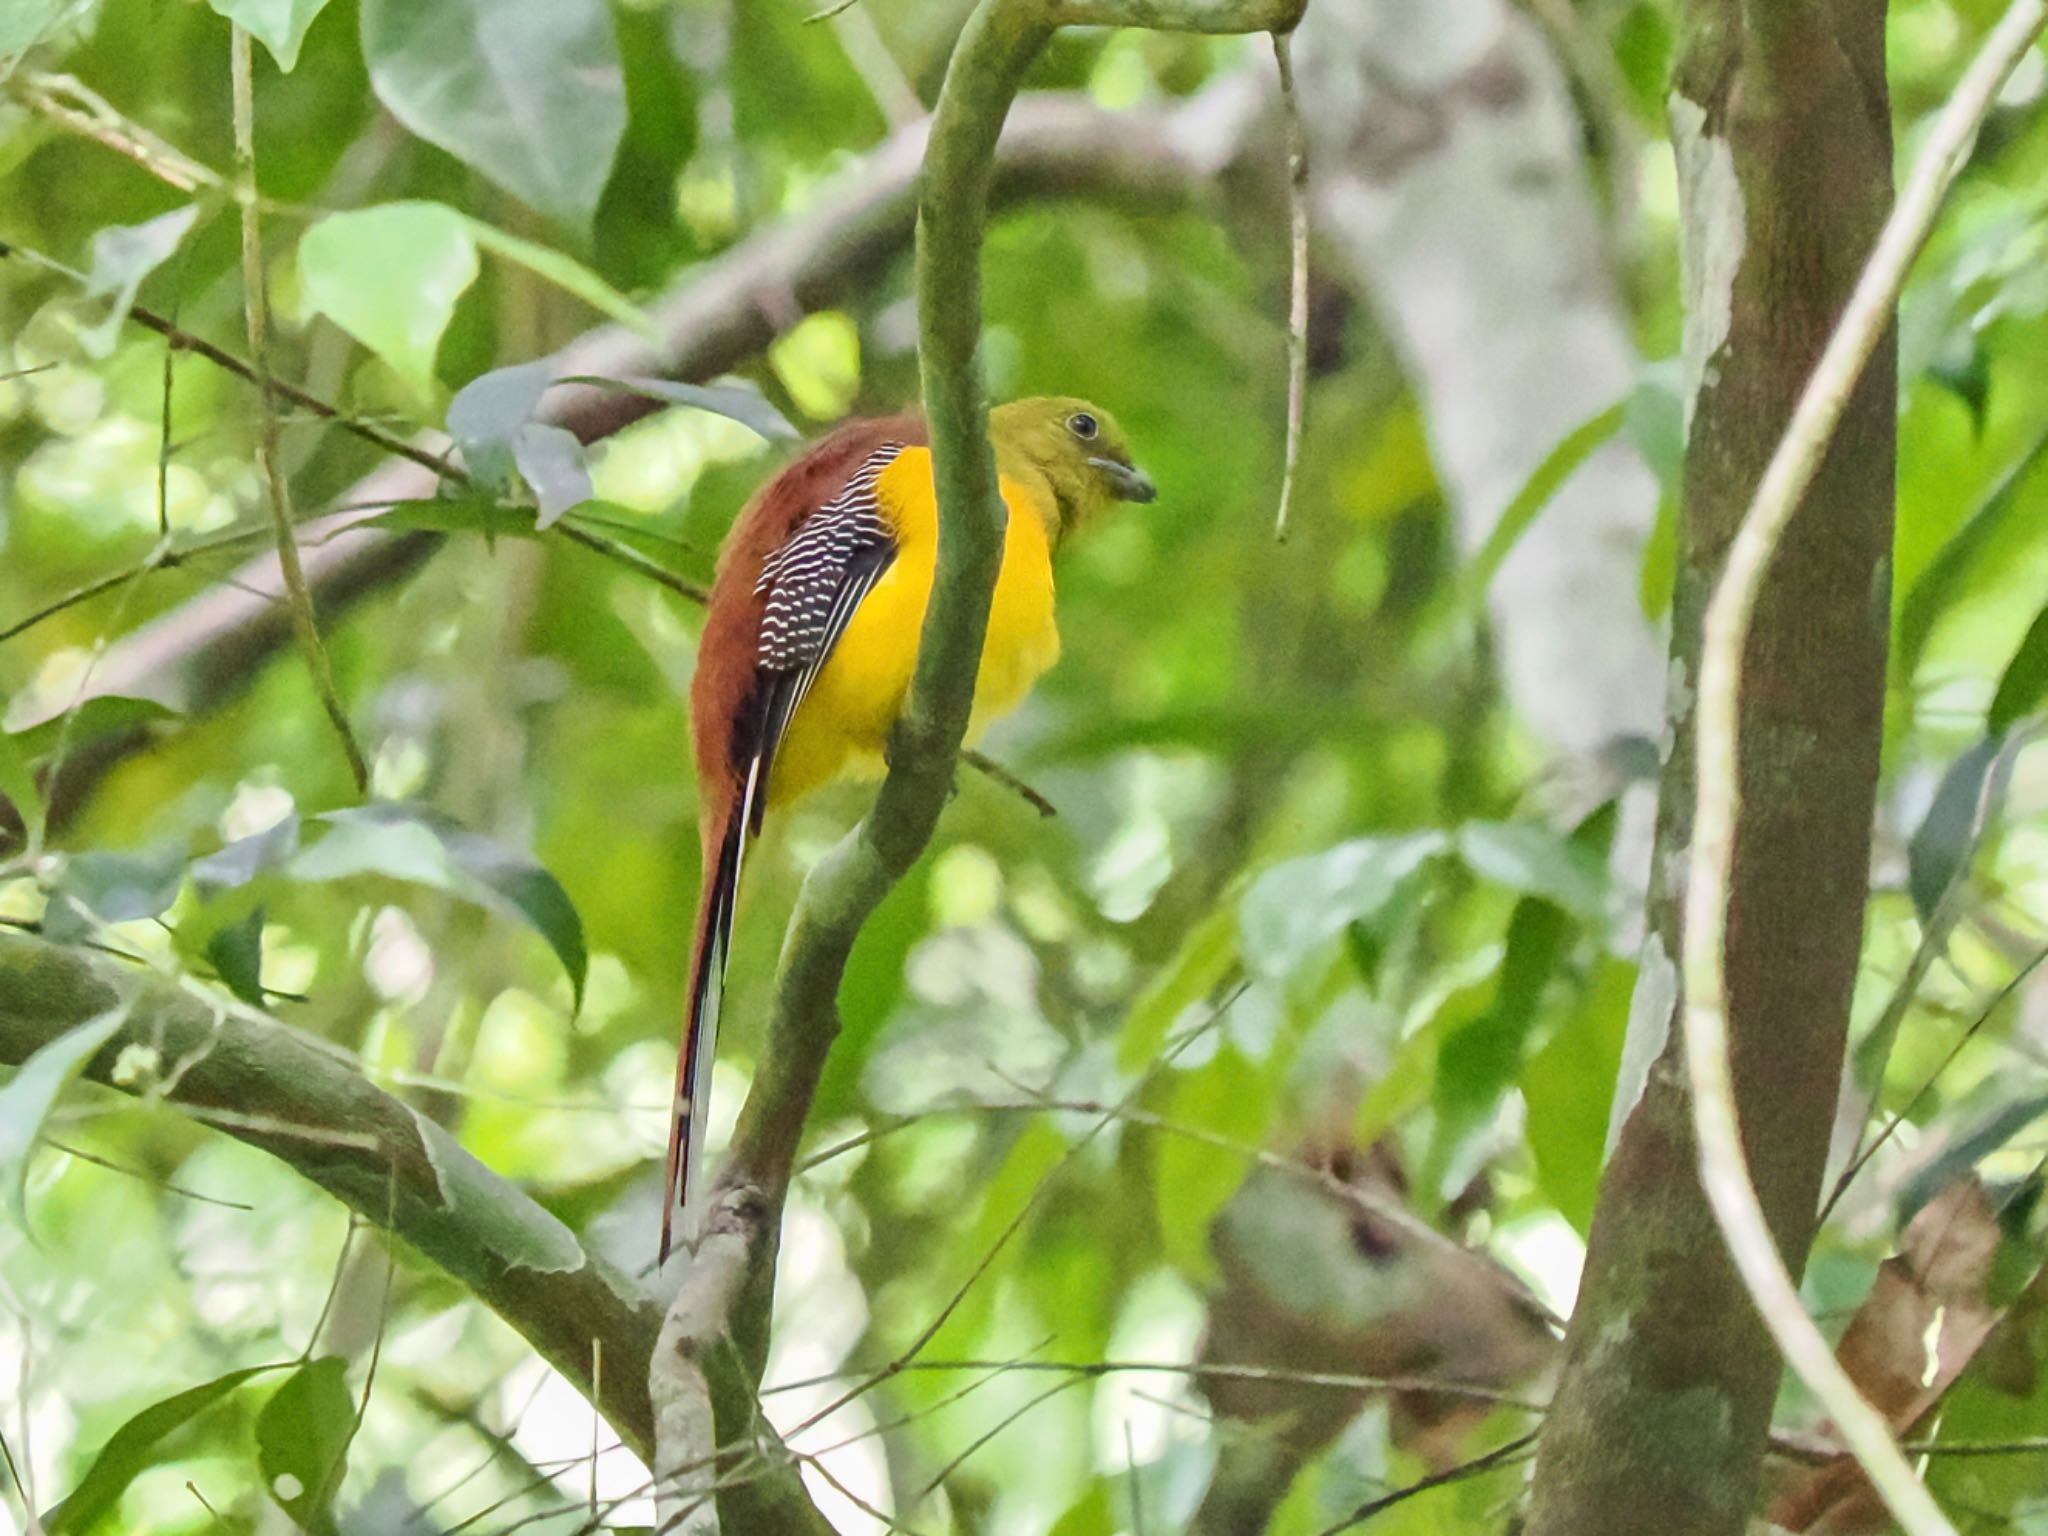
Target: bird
810	640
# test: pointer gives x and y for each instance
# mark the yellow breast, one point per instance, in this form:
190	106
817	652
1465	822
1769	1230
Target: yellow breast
842	727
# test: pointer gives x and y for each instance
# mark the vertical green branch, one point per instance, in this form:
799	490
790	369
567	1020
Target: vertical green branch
269	459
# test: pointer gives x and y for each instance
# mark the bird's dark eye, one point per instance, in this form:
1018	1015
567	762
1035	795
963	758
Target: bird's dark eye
1083	426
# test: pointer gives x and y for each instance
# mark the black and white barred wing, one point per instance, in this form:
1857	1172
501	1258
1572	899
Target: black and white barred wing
813	585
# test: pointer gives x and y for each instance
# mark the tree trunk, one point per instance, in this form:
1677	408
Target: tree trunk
1782	131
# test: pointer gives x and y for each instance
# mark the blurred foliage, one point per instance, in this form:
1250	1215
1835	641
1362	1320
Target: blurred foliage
1303	896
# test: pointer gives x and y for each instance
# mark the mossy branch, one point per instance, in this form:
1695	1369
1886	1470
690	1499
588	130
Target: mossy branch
308	1105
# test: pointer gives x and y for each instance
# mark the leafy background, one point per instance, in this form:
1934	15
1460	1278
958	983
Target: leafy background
1309	892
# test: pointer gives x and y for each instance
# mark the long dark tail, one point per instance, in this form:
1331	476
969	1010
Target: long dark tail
691	1116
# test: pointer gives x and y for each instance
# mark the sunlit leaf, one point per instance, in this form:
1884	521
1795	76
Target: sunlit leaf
1206	957
1945	578
1567	1086
27	1100
24	23
390	276
1527	857
1226	1097
1294	907
121	258
736	400
302	1440
280	25
101	715
421	847
527	91
132	1450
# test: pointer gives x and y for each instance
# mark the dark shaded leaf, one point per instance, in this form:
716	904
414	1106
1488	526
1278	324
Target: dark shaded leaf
131	1451
236	952
114	887
1940	847
302	1439
18	782
736	400
2024	683
26	1101
527	91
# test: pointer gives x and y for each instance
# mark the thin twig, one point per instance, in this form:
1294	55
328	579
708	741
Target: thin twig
269	446
1857	1163
1499	1456
983	763
1297	304
1724	1171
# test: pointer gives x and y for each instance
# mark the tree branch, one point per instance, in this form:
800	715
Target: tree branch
1000	40
1724	1167
377	1155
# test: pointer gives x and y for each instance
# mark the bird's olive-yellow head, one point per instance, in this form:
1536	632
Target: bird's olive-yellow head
1075	448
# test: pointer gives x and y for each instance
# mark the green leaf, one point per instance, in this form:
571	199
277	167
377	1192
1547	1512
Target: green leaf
18	782
1945	578
2024	683
566	273
1206	957
121	258
1537	492
736	400
26	1101
1940	846
1567	1086
486	414
302	1440
551	459
279	25
529	92
131	1451
421	847
1297	906
114	887
245	858
236	952
1227	1097
1527	857
24	23
390	276
101	715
